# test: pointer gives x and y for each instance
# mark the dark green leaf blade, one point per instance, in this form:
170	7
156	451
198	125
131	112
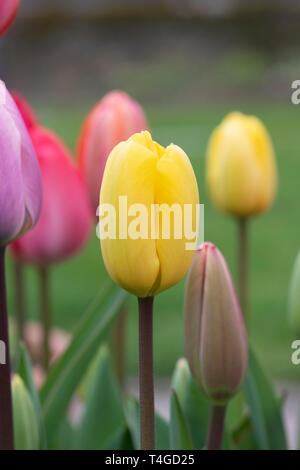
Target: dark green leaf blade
24	370
132	411
67	373
104	418
265	413
195	406
180	438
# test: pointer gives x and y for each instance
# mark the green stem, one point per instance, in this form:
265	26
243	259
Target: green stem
243	265
20	297
216	428
6	416
146	374
119	347
45	315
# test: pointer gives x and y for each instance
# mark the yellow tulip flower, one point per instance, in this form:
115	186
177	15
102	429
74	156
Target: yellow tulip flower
143	259
241	168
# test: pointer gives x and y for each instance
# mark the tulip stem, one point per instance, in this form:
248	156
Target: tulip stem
243	265
45	315
20	297
6	416
216	428
146	374
119	347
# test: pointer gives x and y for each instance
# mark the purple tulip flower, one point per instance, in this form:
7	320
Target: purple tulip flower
20	187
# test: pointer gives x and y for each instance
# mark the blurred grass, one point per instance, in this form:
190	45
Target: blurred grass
275	239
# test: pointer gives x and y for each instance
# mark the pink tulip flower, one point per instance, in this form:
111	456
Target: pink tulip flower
20	188
66	217
114	119
8	11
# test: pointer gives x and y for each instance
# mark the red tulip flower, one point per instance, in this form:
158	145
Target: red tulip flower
8	11
27	113
114	119
65	219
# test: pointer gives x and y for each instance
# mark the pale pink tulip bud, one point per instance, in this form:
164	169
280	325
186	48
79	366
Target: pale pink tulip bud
215	335
114	119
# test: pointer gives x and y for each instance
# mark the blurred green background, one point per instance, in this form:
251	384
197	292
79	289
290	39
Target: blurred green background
187	72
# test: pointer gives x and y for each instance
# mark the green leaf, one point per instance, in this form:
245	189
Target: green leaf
24	370
235	411
180	437
65	436
26	429
265	413
67	373
122	441
104	420
132	411
242	436
133	422
194	405
162	433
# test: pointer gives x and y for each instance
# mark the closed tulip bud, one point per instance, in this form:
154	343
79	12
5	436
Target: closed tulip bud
241	168
27	113
148	260
294	297
215	336
25	421
66	215
114	119
8	11
20	190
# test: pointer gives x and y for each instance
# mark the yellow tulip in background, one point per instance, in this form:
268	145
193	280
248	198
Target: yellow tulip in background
241	169
148	175
241	176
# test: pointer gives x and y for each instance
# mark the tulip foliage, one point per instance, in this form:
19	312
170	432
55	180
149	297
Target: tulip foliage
110	421
294	297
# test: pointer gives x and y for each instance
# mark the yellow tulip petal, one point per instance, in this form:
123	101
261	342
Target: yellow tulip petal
264	153
130	171
175	184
